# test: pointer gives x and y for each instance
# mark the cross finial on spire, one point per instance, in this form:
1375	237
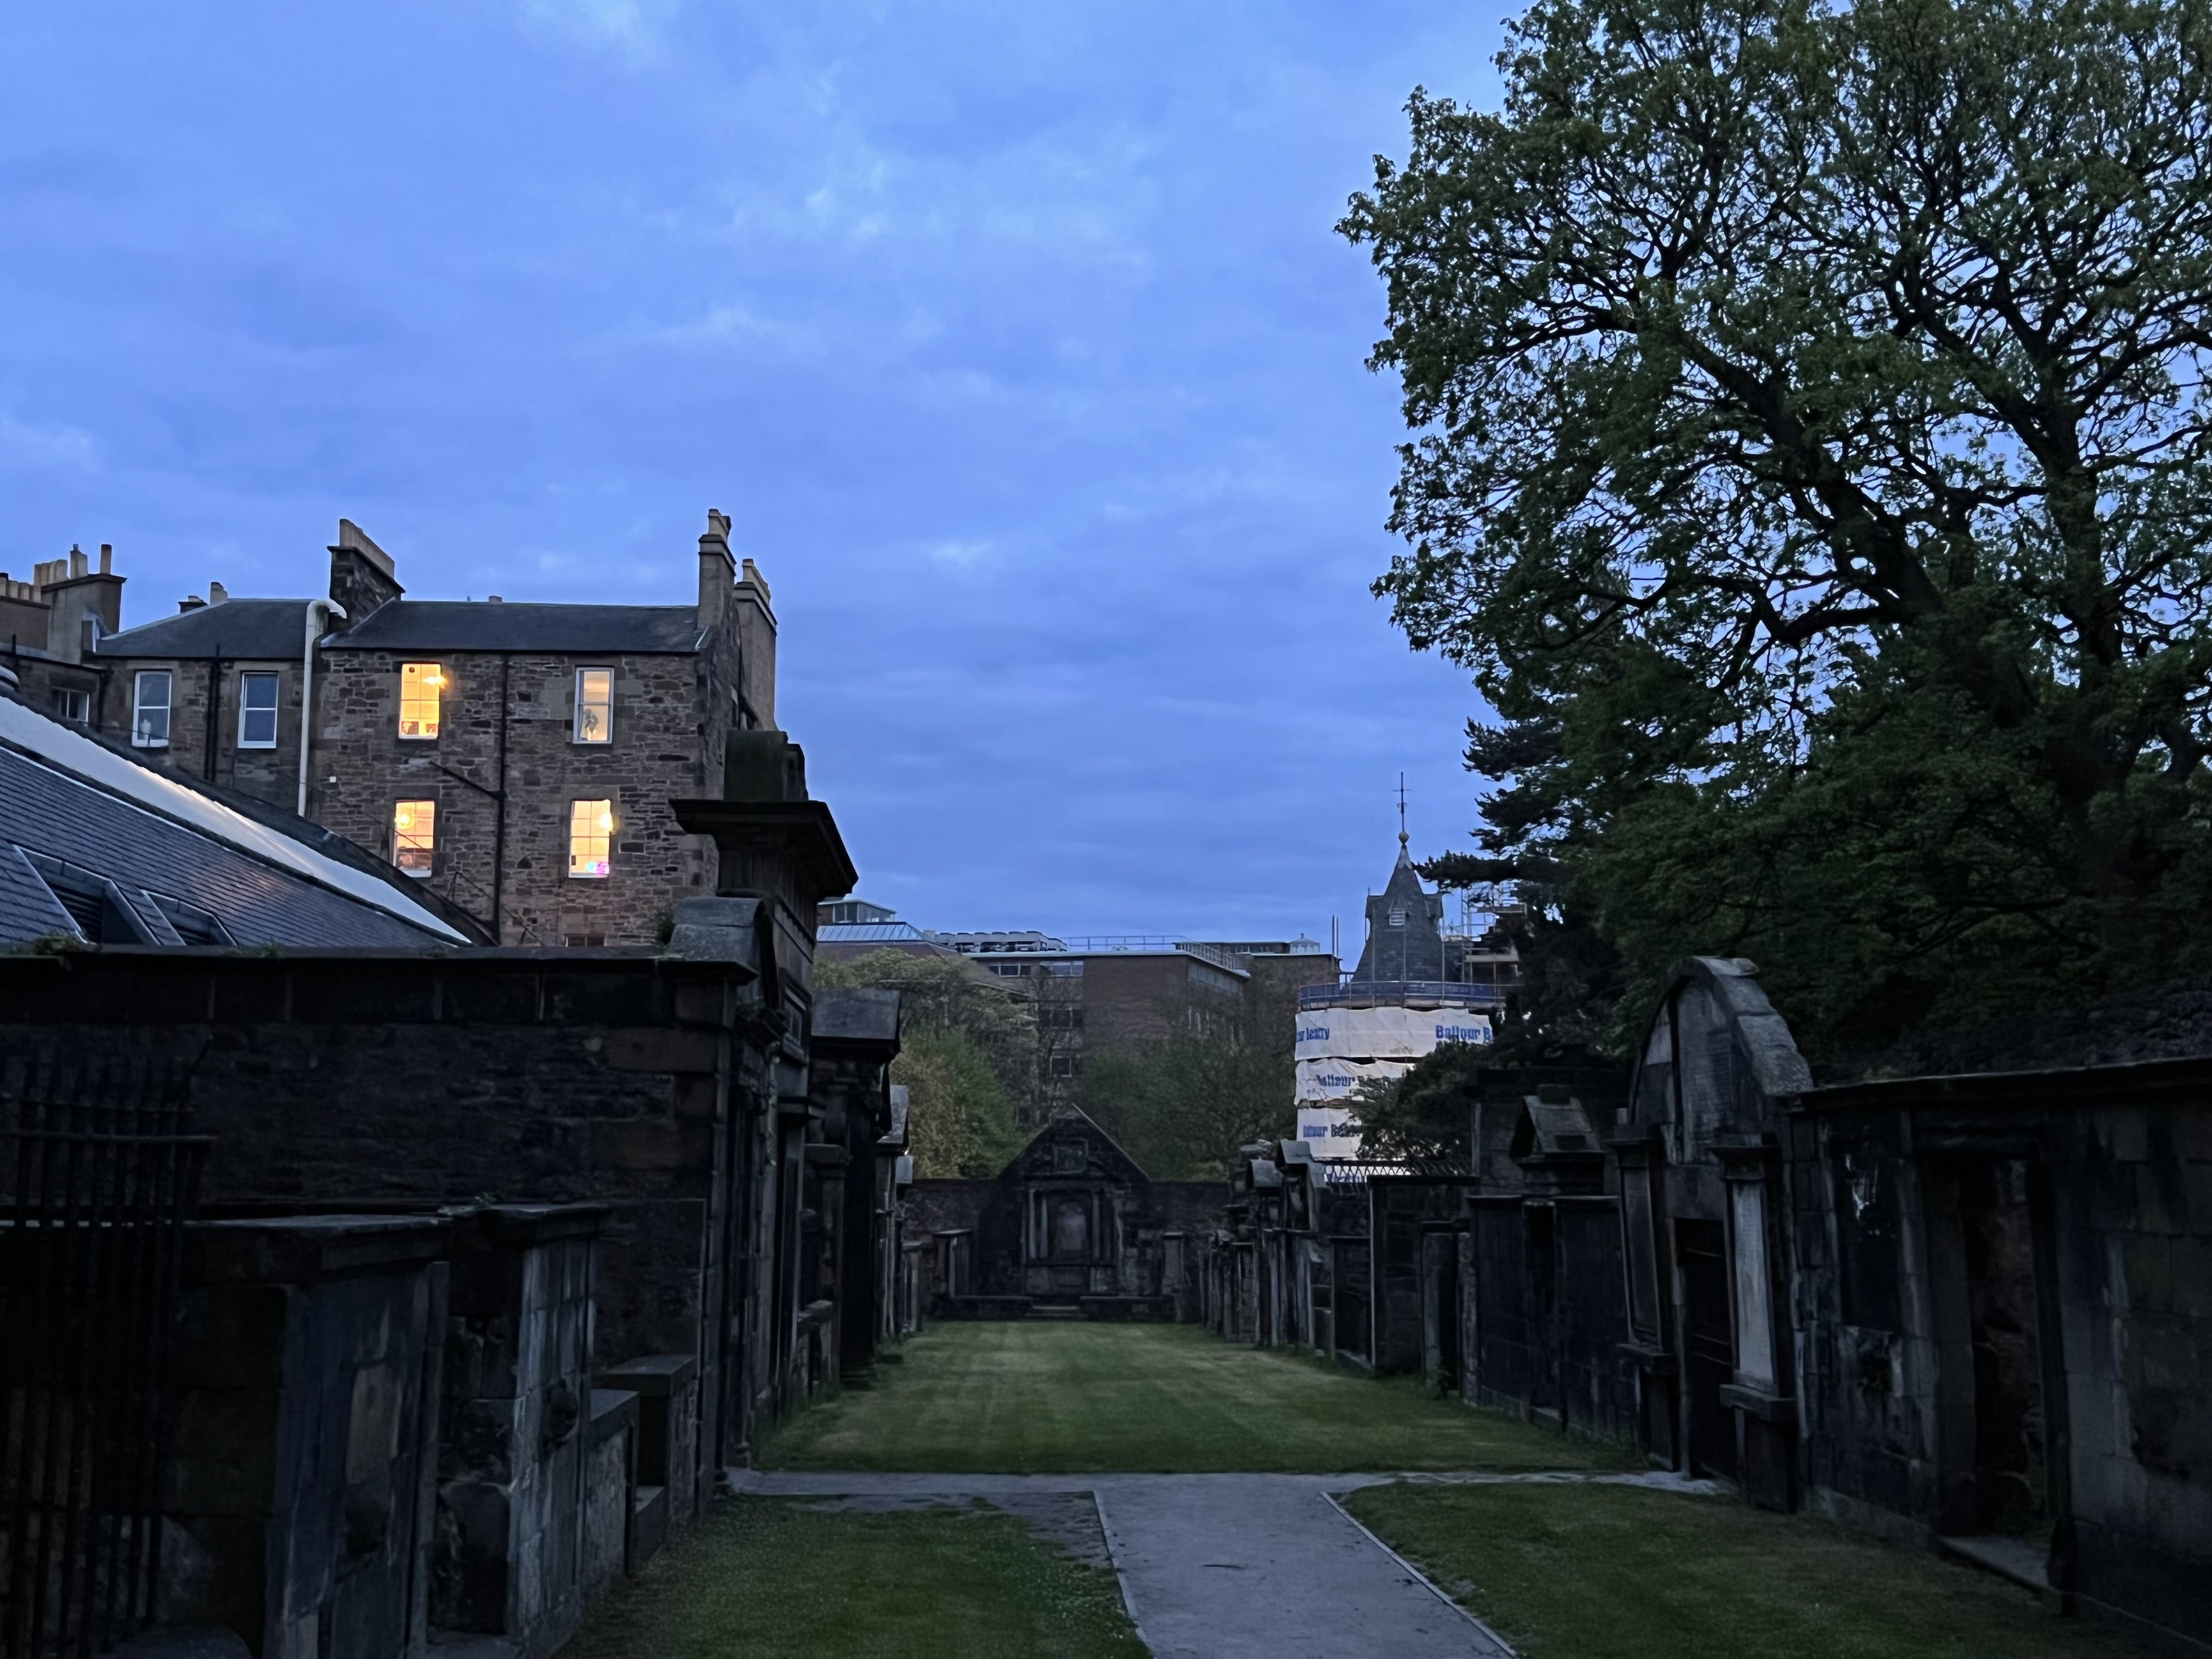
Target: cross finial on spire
1401	809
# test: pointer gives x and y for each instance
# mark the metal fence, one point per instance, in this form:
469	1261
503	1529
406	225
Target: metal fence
99	1173
1393	993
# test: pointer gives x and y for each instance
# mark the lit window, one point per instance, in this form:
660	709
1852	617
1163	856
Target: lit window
420	683
149	711
414	835
256	710
590	829
595	705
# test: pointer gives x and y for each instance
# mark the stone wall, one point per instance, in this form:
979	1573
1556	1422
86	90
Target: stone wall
266	775
534	1077
1939	1399
669	714
299	1487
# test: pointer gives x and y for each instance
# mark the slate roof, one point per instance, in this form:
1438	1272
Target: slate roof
459	625
1414	950
256	630
65	798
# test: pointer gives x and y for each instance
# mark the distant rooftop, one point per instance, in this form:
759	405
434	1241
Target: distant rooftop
870	933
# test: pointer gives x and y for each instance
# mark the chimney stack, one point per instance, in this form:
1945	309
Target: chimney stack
190	602
717	570
362	574
217	594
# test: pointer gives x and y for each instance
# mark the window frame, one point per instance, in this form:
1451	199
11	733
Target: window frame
577	706
582	833
426	843
140	708
436	682
248	676
68	698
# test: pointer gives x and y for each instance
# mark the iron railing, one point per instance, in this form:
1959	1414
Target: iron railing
1392	993
98	1174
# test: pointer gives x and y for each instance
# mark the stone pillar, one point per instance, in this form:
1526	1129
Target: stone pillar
512	1463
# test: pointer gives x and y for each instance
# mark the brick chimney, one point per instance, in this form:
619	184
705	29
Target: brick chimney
362	575
717	569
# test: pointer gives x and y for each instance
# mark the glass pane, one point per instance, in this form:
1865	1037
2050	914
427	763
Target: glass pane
595	705
420	684
591	833
415	835
149	724
257	711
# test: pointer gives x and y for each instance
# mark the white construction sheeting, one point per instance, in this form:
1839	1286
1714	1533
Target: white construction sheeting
1385	1033
1336	1079
1329	1131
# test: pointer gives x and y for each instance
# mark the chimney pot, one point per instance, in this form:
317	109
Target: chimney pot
78	565
217	594
106	558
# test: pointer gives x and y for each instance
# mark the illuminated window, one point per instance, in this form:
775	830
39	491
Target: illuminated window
414	835
420	683
257	709
149	710
595	705
591	831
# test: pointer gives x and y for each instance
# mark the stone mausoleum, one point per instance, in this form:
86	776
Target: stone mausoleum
1072	1227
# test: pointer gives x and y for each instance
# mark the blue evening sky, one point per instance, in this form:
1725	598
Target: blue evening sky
1014	337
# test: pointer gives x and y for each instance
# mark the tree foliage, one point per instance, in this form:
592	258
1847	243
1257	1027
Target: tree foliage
966	1056
1811	461
1182	1107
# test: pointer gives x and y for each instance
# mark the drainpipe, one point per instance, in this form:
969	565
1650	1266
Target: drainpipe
329	608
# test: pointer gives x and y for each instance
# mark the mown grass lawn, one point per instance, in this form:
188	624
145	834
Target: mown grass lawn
1050	1398
784	1578
1616	1572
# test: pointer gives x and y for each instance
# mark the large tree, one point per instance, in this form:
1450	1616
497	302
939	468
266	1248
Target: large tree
1811	460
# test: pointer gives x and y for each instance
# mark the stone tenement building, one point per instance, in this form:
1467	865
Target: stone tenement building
517	758
51	628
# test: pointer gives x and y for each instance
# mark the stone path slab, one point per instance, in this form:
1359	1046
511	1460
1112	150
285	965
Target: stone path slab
1223	1566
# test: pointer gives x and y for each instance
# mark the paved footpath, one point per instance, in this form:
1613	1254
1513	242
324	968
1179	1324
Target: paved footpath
1223	1566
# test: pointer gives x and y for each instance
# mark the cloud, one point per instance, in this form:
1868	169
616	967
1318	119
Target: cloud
632	29
44	445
